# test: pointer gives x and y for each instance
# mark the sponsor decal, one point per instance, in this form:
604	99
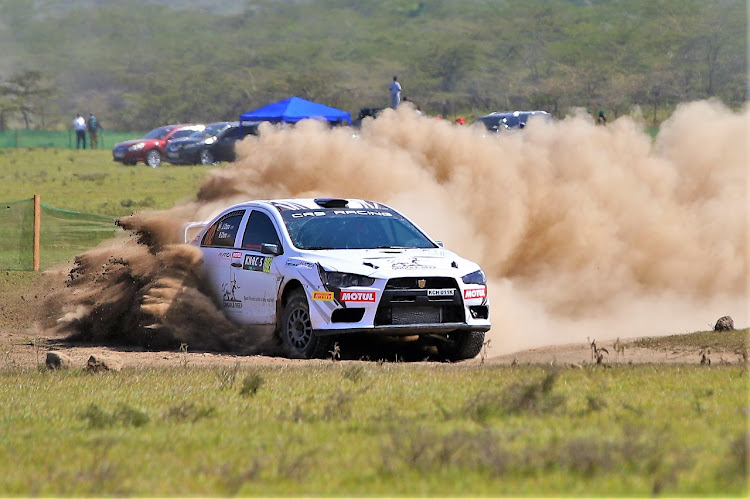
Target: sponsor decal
322	295
470	294
224	254
228	297
236	254
257	263
440	292
358	296
363	212
413	264
258	299
306	265
308	214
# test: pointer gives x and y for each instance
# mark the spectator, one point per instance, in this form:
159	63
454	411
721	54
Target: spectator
601	119
80	127
395	89
460	121
94	127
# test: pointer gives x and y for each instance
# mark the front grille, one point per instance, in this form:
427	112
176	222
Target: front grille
404	301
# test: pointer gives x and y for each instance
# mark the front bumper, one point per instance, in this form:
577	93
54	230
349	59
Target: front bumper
406	329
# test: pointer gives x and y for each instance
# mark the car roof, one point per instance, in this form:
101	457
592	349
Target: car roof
194	126
313	204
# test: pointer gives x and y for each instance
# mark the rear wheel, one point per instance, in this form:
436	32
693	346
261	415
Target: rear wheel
296	330
153	158
207	157
461	345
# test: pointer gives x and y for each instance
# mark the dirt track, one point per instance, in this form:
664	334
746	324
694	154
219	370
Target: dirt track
23	344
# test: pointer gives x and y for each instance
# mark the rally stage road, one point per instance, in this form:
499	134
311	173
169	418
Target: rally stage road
24	345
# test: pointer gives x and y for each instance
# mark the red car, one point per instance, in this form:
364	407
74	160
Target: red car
150	147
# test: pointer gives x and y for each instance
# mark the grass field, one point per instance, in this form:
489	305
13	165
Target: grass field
383	429
90	182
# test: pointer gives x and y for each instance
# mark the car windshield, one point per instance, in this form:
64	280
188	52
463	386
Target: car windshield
352	229
184	132
209	131
158	133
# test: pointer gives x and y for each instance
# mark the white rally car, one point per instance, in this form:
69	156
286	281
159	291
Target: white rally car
311	269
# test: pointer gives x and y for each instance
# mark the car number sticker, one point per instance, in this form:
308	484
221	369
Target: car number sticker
368	296
440	292
257	263
322	295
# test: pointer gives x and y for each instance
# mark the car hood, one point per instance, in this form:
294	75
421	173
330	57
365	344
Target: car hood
129	143
386	263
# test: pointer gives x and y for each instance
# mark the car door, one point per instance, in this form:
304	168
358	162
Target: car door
218	248
223	149
258	269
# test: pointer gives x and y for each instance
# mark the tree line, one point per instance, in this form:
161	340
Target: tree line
142	63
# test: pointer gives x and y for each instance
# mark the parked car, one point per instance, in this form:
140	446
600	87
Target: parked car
150	148
310	270
507	120
210	146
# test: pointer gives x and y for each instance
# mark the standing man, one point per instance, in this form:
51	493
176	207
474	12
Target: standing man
395	88
80	126
93	131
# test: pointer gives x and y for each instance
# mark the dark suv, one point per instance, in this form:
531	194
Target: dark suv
207	147
507	120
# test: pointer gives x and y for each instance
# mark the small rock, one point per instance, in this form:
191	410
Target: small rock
57	360
98	363
724	324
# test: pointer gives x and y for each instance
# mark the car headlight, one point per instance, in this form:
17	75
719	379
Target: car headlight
137	147
477	277
344	280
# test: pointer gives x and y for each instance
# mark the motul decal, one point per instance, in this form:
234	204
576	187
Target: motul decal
322	295
358	296
475	293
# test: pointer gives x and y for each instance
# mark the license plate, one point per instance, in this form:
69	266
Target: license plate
440	292
119	155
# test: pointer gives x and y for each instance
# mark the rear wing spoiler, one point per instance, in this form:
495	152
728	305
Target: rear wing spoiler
191	229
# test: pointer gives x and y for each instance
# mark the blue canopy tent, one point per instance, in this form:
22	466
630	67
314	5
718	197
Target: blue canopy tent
292	110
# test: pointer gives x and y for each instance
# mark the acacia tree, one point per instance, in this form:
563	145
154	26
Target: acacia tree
24	93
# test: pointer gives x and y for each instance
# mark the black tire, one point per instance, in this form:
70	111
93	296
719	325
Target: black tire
461	345
207	157
153	158
300	342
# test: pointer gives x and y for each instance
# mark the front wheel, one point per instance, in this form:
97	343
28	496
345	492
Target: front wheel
461	345
297	333
207	157
153	158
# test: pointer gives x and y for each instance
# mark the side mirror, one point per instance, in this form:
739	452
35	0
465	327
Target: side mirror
270	249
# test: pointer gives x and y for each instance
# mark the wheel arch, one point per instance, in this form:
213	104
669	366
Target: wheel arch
290	288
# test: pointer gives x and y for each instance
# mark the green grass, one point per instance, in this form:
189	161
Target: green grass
344	429
735	341
90	182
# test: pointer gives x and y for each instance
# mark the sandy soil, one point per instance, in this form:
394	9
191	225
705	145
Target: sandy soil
27	348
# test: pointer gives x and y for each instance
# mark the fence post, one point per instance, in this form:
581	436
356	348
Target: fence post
37	229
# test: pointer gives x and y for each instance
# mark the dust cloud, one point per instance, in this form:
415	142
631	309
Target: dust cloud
583	230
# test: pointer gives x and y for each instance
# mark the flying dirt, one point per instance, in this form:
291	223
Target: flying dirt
583	230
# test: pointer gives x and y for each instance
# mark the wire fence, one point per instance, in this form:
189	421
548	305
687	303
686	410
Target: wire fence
62	235
65	139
